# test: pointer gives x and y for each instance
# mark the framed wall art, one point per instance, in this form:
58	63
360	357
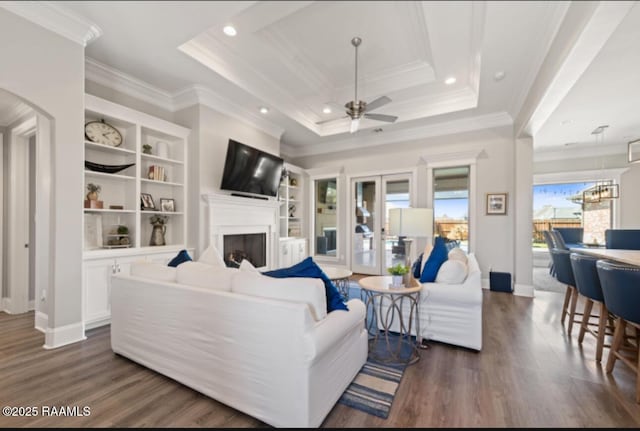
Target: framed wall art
496	203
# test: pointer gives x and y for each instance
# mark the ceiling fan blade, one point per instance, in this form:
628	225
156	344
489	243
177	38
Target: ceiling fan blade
380	101
331	119
381	117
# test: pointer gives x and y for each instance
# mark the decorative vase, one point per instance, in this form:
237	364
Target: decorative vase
157	234
162	149
396	280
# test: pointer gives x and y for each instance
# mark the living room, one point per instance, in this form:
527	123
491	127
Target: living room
521	72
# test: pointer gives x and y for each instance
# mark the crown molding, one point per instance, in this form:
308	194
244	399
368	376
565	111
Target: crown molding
116	80
201	95
57	19
487	121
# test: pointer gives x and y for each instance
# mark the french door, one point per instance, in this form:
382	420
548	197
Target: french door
372	249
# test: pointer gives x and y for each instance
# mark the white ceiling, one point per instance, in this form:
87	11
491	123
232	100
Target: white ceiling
296	57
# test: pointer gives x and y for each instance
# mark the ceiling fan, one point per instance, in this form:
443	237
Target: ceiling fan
357	109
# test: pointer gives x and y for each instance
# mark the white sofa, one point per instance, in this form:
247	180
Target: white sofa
451	313
283	361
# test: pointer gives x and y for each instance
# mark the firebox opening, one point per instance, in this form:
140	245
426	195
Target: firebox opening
252	247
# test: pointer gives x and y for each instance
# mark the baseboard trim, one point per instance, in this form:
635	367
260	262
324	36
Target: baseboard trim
42	321
485	283
97	323
63	335
3	305
523	290
32	304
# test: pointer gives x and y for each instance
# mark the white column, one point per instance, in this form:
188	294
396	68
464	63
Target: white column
523	207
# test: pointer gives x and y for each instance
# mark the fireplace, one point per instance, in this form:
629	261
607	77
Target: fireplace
252	246
242	226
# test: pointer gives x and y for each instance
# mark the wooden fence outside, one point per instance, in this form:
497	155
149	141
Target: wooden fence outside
547	224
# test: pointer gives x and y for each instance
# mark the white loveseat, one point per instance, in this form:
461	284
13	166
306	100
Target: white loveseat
283	361
451	312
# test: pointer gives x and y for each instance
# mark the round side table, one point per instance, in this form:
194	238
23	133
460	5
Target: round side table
340	276
385	305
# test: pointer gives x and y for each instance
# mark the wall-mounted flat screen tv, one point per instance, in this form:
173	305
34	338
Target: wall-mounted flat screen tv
251	171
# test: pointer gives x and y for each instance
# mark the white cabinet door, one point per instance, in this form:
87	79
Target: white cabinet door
97	292
285	254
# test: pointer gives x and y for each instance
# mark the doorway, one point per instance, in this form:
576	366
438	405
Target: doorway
372	249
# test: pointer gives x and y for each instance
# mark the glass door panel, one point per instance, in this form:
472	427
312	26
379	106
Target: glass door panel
366	232
396	192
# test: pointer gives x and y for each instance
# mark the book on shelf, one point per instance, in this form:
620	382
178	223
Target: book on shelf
156	173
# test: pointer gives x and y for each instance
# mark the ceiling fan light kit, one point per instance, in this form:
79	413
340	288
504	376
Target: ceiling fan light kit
357	109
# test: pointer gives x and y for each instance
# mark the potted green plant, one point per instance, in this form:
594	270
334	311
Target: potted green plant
146	148
397	272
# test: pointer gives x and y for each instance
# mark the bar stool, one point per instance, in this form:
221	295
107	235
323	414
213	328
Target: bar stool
564	274
620	286
588	286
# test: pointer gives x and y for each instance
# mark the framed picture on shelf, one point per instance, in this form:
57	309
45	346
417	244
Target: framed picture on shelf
92	231
496	203
167	205
146	202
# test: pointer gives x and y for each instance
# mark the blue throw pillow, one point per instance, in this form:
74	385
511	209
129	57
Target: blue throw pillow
181	257
417	267
438	256
308	268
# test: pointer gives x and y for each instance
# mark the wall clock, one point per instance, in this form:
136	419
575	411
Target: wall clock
102	133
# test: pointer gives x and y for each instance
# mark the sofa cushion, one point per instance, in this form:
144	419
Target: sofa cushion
452	272
181	257
295	289
245	265
458	254
200	274
308	268
436	258
416	268
152	271
211	256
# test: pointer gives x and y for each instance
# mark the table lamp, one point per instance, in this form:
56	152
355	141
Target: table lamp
412	223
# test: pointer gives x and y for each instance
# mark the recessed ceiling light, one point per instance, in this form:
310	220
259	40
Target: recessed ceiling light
450	80
326	110
499	76
229	30
264	110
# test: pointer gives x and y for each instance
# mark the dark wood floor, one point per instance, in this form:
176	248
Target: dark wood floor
529	374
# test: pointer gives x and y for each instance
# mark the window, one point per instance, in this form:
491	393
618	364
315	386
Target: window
561	205
326	217
451	204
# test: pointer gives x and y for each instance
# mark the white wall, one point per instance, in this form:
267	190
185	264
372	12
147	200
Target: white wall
214	131
47	71
629	202
493	240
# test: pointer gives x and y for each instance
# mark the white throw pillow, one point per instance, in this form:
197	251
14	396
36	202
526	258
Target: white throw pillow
295	289
457	253
200	274
211	256
245	265
451	272
153	271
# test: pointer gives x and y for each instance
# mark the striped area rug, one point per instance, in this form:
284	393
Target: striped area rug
373	389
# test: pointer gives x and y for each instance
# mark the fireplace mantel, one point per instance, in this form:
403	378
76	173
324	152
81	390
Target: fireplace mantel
232	215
